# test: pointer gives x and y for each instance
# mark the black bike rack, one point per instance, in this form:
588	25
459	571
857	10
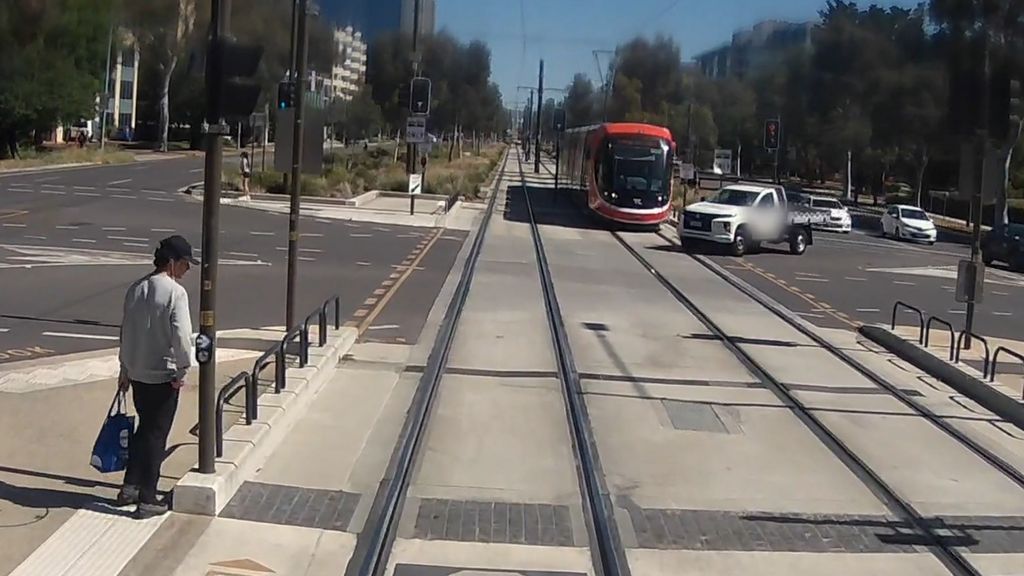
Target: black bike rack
928	333
959	346
995	362
920	318
240	382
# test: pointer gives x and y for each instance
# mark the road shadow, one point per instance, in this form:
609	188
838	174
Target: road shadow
46	499
563	208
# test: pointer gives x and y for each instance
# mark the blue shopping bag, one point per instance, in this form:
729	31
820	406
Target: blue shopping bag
110	452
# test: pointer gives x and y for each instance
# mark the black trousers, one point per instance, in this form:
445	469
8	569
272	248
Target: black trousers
155	405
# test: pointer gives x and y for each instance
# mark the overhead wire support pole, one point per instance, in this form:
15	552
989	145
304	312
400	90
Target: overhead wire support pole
215	128
410	150
540	107
296	190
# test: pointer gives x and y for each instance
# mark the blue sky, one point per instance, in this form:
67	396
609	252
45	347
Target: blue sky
565	32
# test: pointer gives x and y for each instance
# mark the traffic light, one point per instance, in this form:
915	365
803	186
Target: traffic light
285	95
419	96
772	134
240	92
559	120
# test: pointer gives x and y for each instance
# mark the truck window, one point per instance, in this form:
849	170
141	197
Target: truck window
767	200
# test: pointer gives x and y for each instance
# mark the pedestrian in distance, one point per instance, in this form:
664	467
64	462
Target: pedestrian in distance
155	355
245	168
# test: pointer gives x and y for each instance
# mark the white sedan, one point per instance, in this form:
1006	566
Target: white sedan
905	222
839	217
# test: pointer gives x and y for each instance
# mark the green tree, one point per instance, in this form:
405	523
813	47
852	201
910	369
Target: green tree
51	63
360	117
581	102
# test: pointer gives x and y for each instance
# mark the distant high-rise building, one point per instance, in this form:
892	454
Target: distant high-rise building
376	17
349	72
752	51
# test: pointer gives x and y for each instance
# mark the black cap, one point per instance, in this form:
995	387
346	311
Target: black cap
177	248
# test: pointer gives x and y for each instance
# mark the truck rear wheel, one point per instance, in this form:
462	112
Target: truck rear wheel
740	242
798	242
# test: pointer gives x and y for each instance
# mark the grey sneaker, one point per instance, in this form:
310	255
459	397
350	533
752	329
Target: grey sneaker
146	511
127	496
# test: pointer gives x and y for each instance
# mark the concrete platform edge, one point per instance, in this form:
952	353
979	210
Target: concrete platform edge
246	448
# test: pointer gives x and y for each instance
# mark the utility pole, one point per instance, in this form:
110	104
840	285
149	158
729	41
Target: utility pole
410	150
540	106
220	11
292	50
976	194
105	101
297	132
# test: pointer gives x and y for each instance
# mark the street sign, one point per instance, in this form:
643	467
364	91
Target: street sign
723	162
415	184
416	130
772	134
970	282
687	172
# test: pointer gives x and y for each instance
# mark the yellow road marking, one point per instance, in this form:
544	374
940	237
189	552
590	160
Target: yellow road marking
825	307
368	320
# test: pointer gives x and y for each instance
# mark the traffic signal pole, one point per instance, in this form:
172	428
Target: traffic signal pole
410	150
293	214
220	11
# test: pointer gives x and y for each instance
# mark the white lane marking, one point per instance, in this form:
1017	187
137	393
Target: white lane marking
113	229
1000	293
136	244
809	315
282	248
812	279
85	187
384	327
83	240
118	190
161	229
116	182
902	283
160	199
244	254
363	264
360	235
81	336
808	274
868	310
261	233
196	171
314	250
14	225
855	279
322	221
1003	313
86	194
35	237
67	227
154	191
57	192
54	186
2	330
47	179
305	259
955	312
125	196
128	238
310	235
379	229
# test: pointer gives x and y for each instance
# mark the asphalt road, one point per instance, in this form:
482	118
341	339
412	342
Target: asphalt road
845	279
71	241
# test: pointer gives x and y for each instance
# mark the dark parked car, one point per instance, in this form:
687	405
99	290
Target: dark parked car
1005	244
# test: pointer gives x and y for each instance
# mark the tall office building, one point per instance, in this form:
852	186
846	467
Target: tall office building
376	17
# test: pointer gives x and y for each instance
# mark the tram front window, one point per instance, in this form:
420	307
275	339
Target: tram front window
637	174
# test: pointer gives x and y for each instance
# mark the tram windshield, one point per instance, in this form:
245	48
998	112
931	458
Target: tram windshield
638	169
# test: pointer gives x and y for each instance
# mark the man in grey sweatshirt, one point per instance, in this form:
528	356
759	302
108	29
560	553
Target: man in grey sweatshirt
156	353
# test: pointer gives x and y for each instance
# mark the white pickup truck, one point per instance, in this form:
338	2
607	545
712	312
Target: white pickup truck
744	216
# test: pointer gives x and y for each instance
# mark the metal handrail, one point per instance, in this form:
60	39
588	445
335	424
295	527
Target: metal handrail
240	382
920	318
928	333
303	337
277	353
959	345
995	362
337	310
322	338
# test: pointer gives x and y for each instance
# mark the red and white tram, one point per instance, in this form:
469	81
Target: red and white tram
623	170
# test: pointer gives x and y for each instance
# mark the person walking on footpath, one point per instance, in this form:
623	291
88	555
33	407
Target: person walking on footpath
245	168
156	353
